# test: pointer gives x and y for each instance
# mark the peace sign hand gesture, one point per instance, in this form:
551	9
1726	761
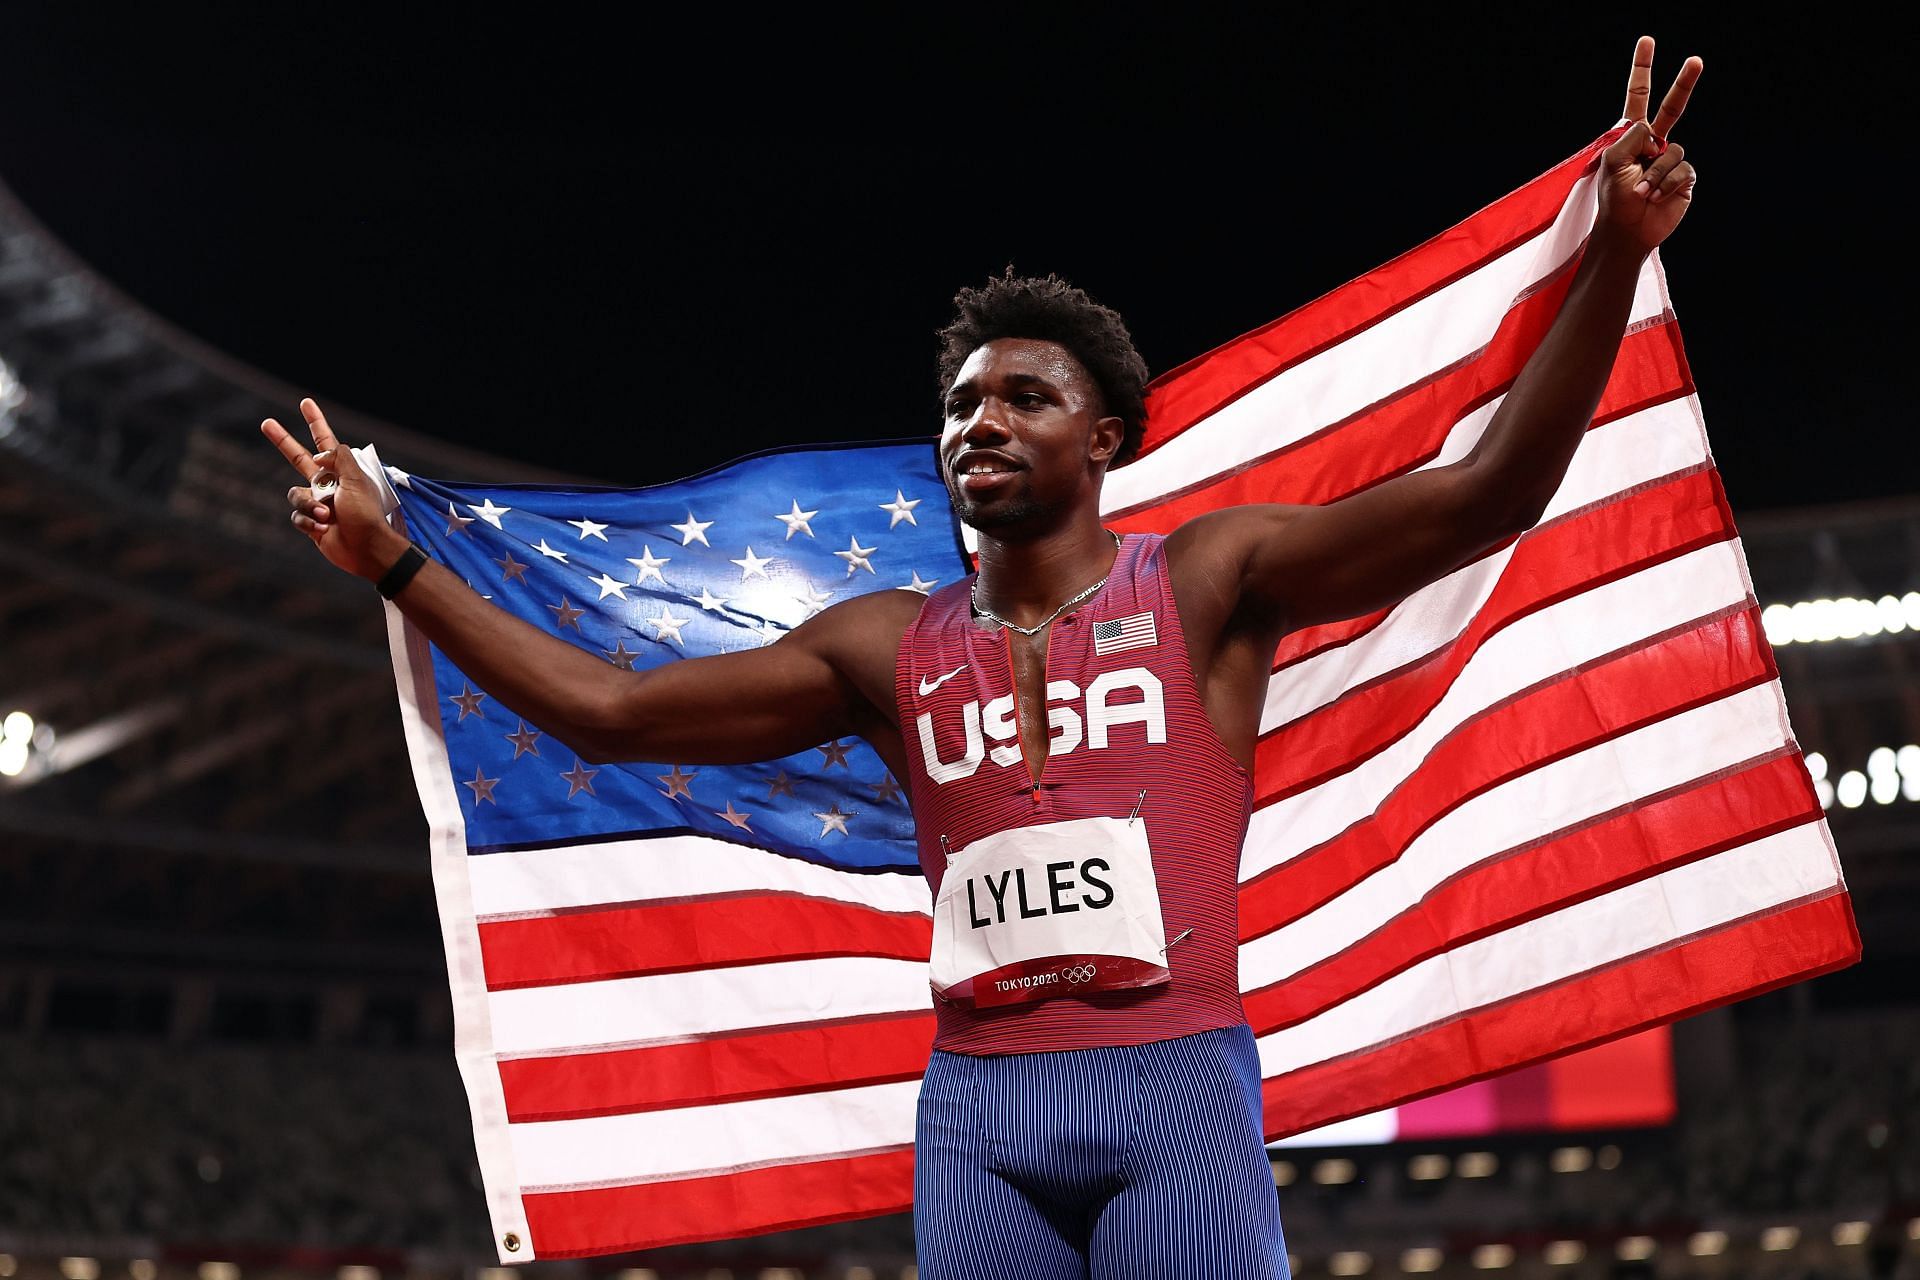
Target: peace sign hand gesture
1646	182
337	508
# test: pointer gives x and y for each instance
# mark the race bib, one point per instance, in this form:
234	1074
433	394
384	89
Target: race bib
1060	909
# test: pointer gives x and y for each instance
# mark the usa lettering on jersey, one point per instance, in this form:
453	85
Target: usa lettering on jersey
1107	706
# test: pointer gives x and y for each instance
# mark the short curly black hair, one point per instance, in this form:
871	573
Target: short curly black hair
1051	310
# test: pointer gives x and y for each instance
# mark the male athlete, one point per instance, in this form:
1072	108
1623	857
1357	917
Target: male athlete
1076	723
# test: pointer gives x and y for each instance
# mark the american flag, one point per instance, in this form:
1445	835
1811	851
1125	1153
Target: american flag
1133	632
1547	801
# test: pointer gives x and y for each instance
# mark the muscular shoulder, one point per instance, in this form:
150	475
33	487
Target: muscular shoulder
1208	559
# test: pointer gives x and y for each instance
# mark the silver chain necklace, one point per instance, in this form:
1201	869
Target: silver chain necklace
1038	627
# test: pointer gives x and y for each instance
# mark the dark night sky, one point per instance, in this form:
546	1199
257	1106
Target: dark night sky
634	252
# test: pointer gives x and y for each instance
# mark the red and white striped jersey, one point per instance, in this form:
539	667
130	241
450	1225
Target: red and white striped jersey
1123	717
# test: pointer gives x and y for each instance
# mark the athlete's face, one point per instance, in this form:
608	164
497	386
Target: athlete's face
1024	441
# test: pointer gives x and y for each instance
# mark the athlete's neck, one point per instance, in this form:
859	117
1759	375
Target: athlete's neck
1025	581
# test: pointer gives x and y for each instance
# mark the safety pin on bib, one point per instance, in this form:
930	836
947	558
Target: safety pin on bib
1137	806
1183	935
946	849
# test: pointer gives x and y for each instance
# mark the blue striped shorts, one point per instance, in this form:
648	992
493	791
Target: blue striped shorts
1141	1161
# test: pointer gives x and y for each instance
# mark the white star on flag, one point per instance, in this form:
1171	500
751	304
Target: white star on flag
709	601
548	551
589	529
488	512
901	508
693	529
797	519
399	477
813	601
678	783
667	625
483	788
753	566
649	566
610	586
457	523
736	818
834	820
857	556
922	585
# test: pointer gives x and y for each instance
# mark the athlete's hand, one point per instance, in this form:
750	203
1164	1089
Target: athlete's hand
1646	182
347	525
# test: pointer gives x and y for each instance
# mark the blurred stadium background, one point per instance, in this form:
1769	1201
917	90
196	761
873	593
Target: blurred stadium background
224	1027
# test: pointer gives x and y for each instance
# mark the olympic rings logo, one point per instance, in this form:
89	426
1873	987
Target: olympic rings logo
1075	974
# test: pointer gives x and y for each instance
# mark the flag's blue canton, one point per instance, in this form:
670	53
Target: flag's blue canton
729	560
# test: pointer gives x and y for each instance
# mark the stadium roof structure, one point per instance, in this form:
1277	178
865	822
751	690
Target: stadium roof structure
204	681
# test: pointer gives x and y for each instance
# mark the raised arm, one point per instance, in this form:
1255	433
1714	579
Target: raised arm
825	679
1301	565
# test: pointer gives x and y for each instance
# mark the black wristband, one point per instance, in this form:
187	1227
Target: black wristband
402	572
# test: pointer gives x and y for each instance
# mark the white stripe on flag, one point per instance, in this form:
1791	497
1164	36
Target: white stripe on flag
629	1011
531	881
681	1141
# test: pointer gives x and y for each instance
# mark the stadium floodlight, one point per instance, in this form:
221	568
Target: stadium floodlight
1779	1239
1852	789
1885	787
78	1268
1816	765
1571	1159
1477	1164
1634	1248
1881	760
1284	1173
17	727
1416	1261
1352	1262
143	1269
1428	1168
1851	1233
1335	1173
1492	1257
1705	1244
1564	1253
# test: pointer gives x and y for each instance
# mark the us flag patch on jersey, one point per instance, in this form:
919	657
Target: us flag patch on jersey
1132	632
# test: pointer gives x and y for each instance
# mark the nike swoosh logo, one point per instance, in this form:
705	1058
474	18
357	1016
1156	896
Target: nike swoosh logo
928	686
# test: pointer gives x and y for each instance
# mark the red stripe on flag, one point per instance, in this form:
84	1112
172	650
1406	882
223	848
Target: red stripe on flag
1550	564
1651	370
1190	392
1650	682
692	933
1744	959
1506	889
734	1066
573	1224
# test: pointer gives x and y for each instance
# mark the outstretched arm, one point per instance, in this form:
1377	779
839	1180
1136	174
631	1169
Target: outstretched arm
1299	565
730	708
